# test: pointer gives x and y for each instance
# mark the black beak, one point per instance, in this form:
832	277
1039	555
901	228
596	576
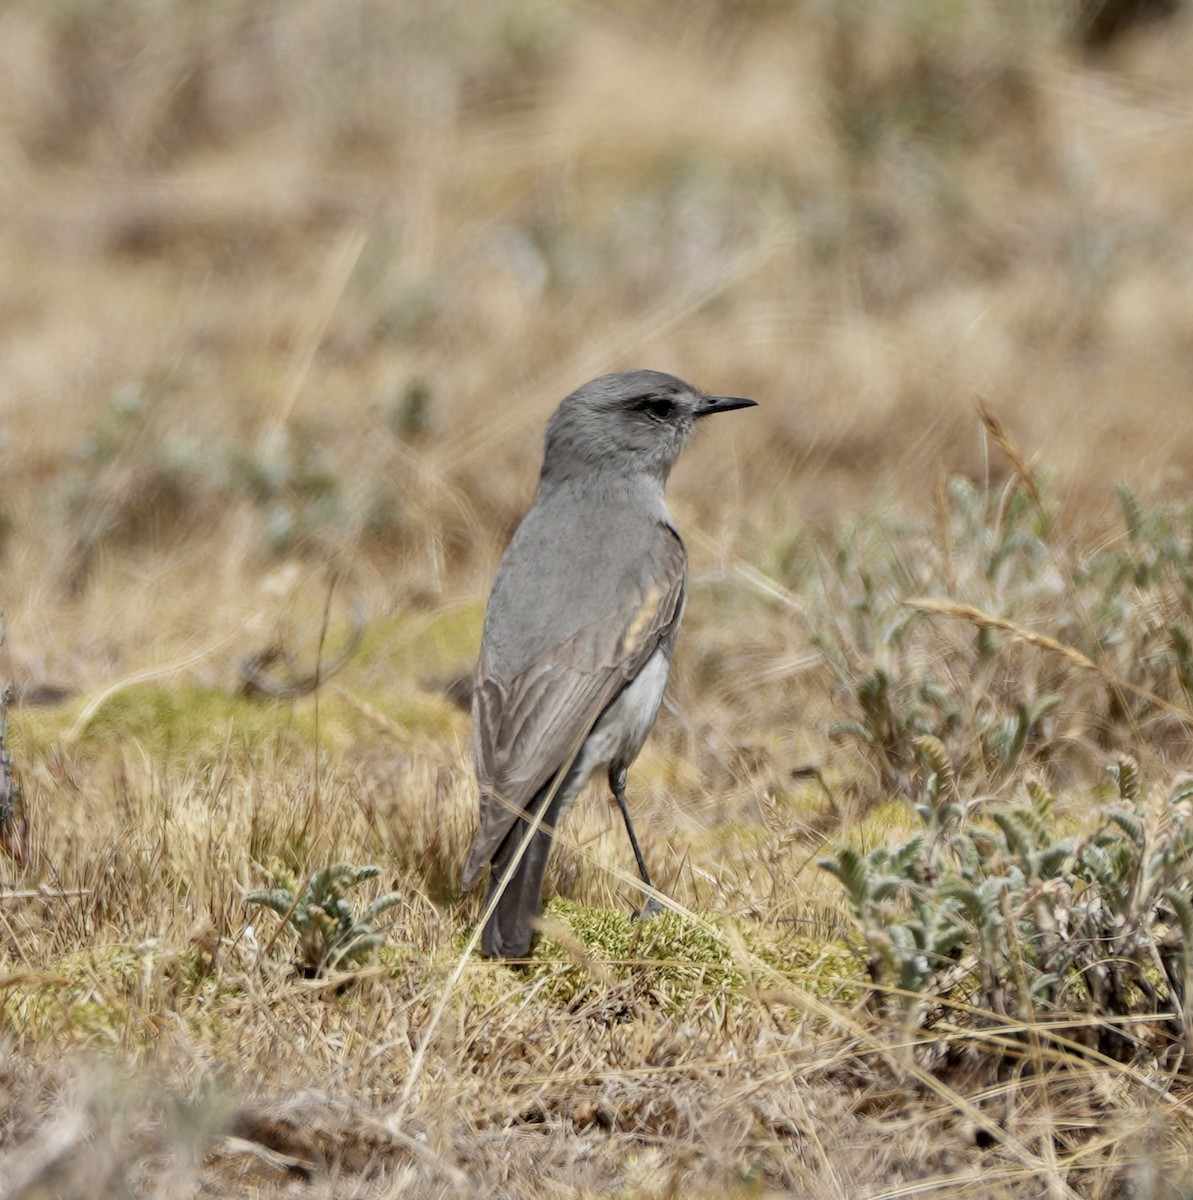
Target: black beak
719	404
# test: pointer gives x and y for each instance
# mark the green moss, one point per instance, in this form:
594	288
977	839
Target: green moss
455	634
726	836
186	722
33	731
92	997
832	970
169	722
180	721
674	960
416	711
424	644
110	994
889	821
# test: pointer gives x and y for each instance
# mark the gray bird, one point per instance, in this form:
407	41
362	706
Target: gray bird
579	630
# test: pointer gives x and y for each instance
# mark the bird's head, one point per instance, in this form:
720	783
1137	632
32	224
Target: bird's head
634	421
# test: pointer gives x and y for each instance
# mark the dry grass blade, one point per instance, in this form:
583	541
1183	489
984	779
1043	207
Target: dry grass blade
1026	475
337	272
374	716
984	620
96	702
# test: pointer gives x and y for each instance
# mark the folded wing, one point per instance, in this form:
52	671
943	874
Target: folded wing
524	730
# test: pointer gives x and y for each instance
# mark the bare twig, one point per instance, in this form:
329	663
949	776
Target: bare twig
255	681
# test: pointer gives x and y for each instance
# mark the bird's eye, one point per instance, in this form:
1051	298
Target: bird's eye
658	407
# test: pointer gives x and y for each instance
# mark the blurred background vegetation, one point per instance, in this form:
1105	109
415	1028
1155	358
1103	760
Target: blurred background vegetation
287	292
306	278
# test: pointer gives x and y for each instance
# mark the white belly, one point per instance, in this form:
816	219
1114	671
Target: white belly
627	722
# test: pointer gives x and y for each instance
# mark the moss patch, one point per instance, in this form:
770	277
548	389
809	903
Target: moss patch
423	643
673	960
109	994
191	723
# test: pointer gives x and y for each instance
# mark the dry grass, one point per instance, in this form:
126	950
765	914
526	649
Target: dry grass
289	291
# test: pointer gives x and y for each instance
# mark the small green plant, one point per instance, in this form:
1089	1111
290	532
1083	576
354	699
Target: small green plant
893	670
1024	919
1001	708
1140	601
331	936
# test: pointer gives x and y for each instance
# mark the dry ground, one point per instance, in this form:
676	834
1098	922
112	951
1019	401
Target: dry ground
287	292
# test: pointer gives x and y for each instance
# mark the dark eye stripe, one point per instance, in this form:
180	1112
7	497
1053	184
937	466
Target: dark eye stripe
656	406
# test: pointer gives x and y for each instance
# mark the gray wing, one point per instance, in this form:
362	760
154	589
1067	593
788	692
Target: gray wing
525	729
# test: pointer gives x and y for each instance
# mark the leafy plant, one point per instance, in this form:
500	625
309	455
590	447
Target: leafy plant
900	678
998	707
1023	918
330	935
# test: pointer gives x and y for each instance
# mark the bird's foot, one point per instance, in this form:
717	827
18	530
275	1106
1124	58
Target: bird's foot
651	908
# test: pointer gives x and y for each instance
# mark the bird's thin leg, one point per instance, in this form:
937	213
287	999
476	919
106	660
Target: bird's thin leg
617	775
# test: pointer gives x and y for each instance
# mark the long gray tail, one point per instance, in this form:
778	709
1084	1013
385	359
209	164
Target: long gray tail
510	930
